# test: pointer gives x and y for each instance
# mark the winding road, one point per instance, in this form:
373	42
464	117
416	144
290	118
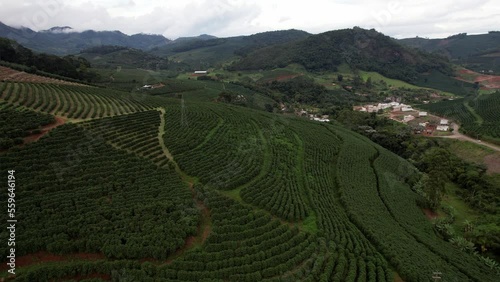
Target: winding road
459	136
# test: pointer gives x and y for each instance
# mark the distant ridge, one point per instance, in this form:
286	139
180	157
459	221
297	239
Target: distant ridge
59	29
64	40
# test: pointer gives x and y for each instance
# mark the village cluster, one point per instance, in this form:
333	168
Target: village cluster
405	114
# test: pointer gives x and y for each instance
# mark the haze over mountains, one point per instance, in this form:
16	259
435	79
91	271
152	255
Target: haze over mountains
63	40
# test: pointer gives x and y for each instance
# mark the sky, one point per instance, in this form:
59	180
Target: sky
224	18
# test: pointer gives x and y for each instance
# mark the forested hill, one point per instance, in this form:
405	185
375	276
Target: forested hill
214	51
68	66
359	48
113	56
479	52
53	41
458	46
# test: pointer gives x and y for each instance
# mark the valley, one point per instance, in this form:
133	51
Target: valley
197	160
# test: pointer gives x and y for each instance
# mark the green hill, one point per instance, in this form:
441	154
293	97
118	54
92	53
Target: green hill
64	41
479	116
203	53
68	66
479	52
360	49
150	188
117	56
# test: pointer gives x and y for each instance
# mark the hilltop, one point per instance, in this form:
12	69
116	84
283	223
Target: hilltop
53	41
359	48
479	52
205	52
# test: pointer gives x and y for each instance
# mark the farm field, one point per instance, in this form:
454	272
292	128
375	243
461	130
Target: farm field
8	74
143	187
477	116
486	82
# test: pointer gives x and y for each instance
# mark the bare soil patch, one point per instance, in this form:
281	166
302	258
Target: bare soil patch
281	78
8	74
43	256
492	162
430	214
44	130
487	81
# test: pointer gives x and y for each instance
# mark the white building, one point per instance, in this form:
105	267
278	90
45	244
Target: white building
422	114
443	122
406	109
408	118
442	128
200	72
321	119
383	106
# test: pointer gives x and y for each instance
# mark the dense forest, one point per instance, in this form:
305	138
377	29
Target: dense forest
68	66
362	49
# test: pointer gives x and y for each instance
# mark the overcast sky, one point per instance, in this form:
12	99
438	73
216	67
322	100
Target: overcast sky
222	18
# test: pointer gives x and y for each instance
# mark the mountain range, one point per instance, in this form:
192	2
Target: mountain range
64	41
480	52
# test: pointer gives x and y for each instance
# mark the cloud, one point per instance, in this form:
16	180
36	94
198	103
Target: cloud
173	19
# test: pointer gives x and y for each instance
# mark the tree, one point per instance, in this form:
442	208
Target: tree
369	83
476	85
269	107
340	78
357	80
434	187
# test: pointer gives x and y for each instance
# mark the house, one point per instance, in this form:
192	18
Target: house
303	113
383	106
442	128
147	86
422	114
408	118
200	72
320	119
371	108
443	122
406	108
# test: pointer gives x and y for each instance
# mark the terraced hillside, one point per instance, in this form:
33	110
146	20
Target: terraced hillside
76	102
162	190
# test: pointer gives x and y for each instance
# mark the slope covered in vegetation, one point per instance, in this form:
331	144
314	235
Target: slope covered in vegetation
272	198
361	49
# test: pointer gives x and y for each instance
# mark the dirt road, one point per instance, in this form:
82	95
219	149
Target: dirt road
459	136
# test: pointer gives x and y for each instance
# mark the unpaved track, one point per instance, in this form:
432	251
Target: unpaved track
459	136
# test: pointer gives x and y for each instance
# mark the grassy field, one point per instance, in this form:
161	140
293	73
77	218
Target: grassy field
460	209
470	151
